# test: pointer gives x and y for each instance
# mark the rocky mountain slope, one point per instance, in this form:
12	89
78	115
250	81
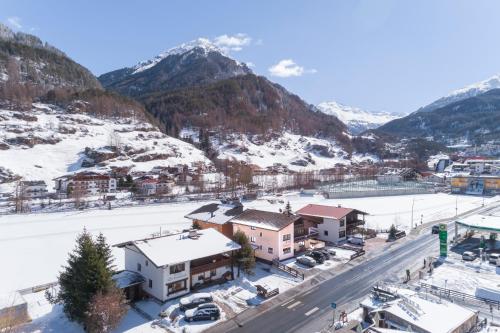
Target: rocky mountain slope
475	119
356	119
191	64
29	67
50	141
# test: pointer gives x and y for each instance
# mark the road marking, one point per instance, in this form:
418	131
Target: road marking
293	305
310	312
287	302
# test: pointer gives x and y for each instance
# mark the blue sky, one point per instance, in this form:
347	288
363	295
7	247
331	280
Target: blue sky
379	55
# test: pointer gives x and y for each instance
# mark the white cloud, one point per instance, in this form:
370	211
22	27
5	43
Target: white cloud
14	22
288	68
232	43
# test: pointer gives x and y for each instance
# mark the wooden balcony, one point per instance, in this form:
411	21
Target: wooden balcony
217	262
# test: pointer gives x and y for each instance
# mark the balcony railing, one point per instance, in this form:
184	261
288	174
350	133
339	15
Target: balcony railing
209	266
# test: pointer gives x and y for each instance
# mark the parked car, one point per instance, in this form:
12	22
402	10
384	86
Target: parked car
207	311
435	229
306	261
325	253
317	256
493	258
331	252
356	240
469	256
192	301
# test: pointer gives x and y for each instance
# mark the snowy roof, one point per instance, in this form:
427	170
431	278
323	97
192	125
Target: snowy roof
326	211
216	213
265	220
426	314
126	278
481	222
178	248
11	299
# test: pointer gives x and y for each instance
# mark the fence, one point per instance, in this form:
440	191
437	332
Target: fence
459	296
284	268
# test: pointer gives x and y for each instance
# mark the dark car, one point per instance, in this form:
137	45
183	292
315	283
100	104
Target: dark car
324	252
192	301
306	261
435	229
207	311
316	255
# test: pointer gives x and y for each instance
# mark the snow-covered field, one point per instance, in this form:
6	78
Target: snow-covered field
34	246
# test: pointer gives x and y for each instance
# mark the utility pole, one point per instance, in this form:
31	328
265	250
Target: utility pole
412	205
456	206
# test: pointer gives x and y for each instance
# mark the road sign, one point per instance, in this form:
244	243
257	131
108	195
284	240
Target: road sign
333	305
443	239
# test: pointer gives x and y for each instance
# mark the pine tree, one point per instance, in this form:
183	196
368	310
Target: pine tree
87	272
104	251
245	256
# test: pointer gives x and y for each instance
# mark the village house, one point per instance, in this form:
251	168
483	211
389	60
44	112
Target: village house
84	183
148	186
332	224
270	234
407	310
217	216
33	189
173	265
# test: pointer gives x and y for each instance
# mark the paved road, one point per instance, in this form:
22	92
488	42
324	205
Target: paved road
308	311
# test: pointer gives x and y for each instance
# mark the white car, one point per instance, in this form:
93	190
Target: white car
469	256
356	240
493	258
192	301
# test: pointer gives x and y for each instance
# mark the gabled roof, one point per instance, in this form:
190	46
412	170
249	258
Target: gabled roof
327	211
216	213
264	220
179	248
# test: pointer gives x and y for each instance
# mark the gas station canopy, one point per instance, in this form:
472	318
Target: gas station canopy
488	223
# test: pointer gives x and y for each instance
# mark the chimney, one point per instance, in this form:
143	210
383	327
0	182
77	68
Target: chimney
193	234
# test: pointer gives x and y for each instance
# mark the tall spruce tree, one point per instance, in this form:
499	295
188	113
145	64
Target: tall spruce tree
88	272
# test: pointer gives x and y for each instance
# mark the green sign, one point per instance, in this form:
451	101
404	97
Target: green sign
443	240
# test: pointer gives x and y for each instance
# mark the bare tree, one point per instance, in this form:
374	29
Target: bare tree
105	311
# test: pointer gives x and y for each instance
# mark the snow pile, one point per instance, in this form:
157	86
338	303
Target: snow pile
47	142
356	119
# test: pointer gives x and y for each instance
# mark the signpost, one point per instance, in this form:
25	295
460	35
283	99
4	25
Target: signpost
443	239
334	306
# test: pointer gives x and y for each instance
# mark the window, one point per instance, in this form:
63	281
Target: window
253	228
325	232
342	223
261	234
270	250
341	234
176	286
287	237
213	272
177	268
138	267
287	250
252	239
150	283
147	263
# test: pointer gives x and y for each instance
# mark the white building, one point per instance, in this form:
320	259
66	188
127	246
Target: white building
334	224
172	265
84	183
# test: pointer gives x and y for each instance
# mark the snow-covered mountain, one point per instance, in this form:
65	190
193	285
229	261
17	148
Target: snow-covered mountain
195	63
356	119
463	93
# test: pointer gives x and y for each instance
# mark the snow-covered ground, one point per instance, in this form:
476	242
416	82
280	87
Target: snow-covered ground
35	246
64	136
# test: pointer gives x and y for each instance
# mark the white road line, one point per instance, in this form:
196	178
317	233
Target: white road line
293	305
310	312
287	302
